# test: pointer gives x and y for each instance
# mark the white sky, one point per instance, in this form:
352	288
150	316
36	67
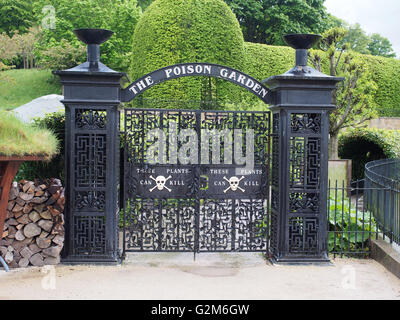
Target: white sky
374	16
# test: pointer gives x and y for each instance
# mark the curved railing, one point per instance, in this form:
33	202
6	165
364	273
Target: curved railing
382	196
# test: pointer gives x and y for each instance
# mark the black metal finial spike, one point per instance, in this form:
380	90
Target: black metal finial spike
93	38
302	42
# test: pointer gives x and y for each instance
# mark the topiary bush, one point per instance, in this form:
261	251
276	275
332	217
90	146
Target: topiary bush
178	31
365	145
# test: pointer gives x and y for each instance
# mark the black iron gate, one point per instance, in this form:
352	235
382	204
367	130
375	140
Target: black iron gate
203	201
189	206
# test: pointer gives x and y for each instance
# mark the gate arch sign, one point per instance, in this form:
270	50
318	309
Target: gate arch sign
192	70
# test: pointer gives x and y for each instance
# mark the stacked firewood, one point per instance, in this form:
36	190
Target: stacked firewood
34	228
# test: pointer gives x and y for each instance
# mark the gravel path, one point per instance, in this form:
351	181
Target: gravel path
211	276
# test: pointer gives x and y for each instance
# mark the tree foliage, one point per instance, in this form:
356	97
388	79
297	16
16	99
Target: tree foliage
117	15
19	45
380	46
62	56
15	15
357	39
354	96
266	21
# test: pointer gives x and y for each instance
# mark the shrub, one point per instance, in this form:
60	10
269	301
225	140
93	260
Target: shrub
119	16
263	61
61	56
177	31
349	229
4	67
55	167
365	145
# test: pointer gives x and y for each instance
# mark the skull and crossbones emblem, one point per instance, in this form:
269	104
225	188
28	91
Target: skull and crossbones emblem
160	183
234	184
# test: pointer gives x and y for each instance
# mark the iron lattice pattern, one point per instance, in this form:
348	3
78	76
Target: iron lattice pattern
89	156
196	207
304	183
176	225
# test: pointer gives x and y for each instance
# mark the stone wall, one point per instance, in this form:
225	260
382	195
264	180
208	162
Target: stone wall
385	123
34	228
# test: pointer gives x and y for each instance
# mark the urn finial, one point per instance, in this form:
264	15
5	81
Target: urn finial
302	42
93	38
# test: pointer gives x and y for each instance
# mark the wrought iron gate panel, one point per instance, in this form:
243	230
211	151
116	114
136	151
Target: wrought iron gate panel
195	207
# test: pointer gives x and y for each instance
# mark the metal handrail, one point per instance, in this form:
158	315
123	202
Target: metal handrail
384	204
388	178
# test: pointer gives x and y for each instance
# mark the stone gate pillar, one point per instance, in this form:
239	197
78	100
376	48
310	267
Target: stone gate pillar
301	102
91	98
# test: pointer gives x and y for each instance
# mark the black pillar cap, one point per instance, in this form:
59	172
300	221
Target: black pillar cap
92	38
301	43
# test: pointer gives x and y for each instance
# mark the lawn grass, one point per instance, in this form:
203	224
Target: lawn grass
18	87
20	139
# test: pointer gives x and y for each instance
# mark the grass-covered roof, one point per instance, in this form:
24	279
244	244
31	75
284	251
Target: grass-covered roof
21	139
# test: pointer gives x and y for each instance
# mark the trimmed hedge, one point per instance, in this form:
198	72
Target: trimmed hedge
385	72
365	145
177	31
263	61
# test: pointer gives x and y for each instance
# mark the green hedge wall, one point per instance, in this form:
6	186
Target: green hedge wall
365	145
178	31
263	61
385	72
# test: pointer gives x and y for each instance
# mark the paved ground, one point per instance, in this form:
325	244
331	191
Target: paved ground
211	276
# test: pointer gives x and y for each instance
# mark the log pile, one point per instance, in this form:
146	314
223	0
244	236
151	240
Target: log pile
34	228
